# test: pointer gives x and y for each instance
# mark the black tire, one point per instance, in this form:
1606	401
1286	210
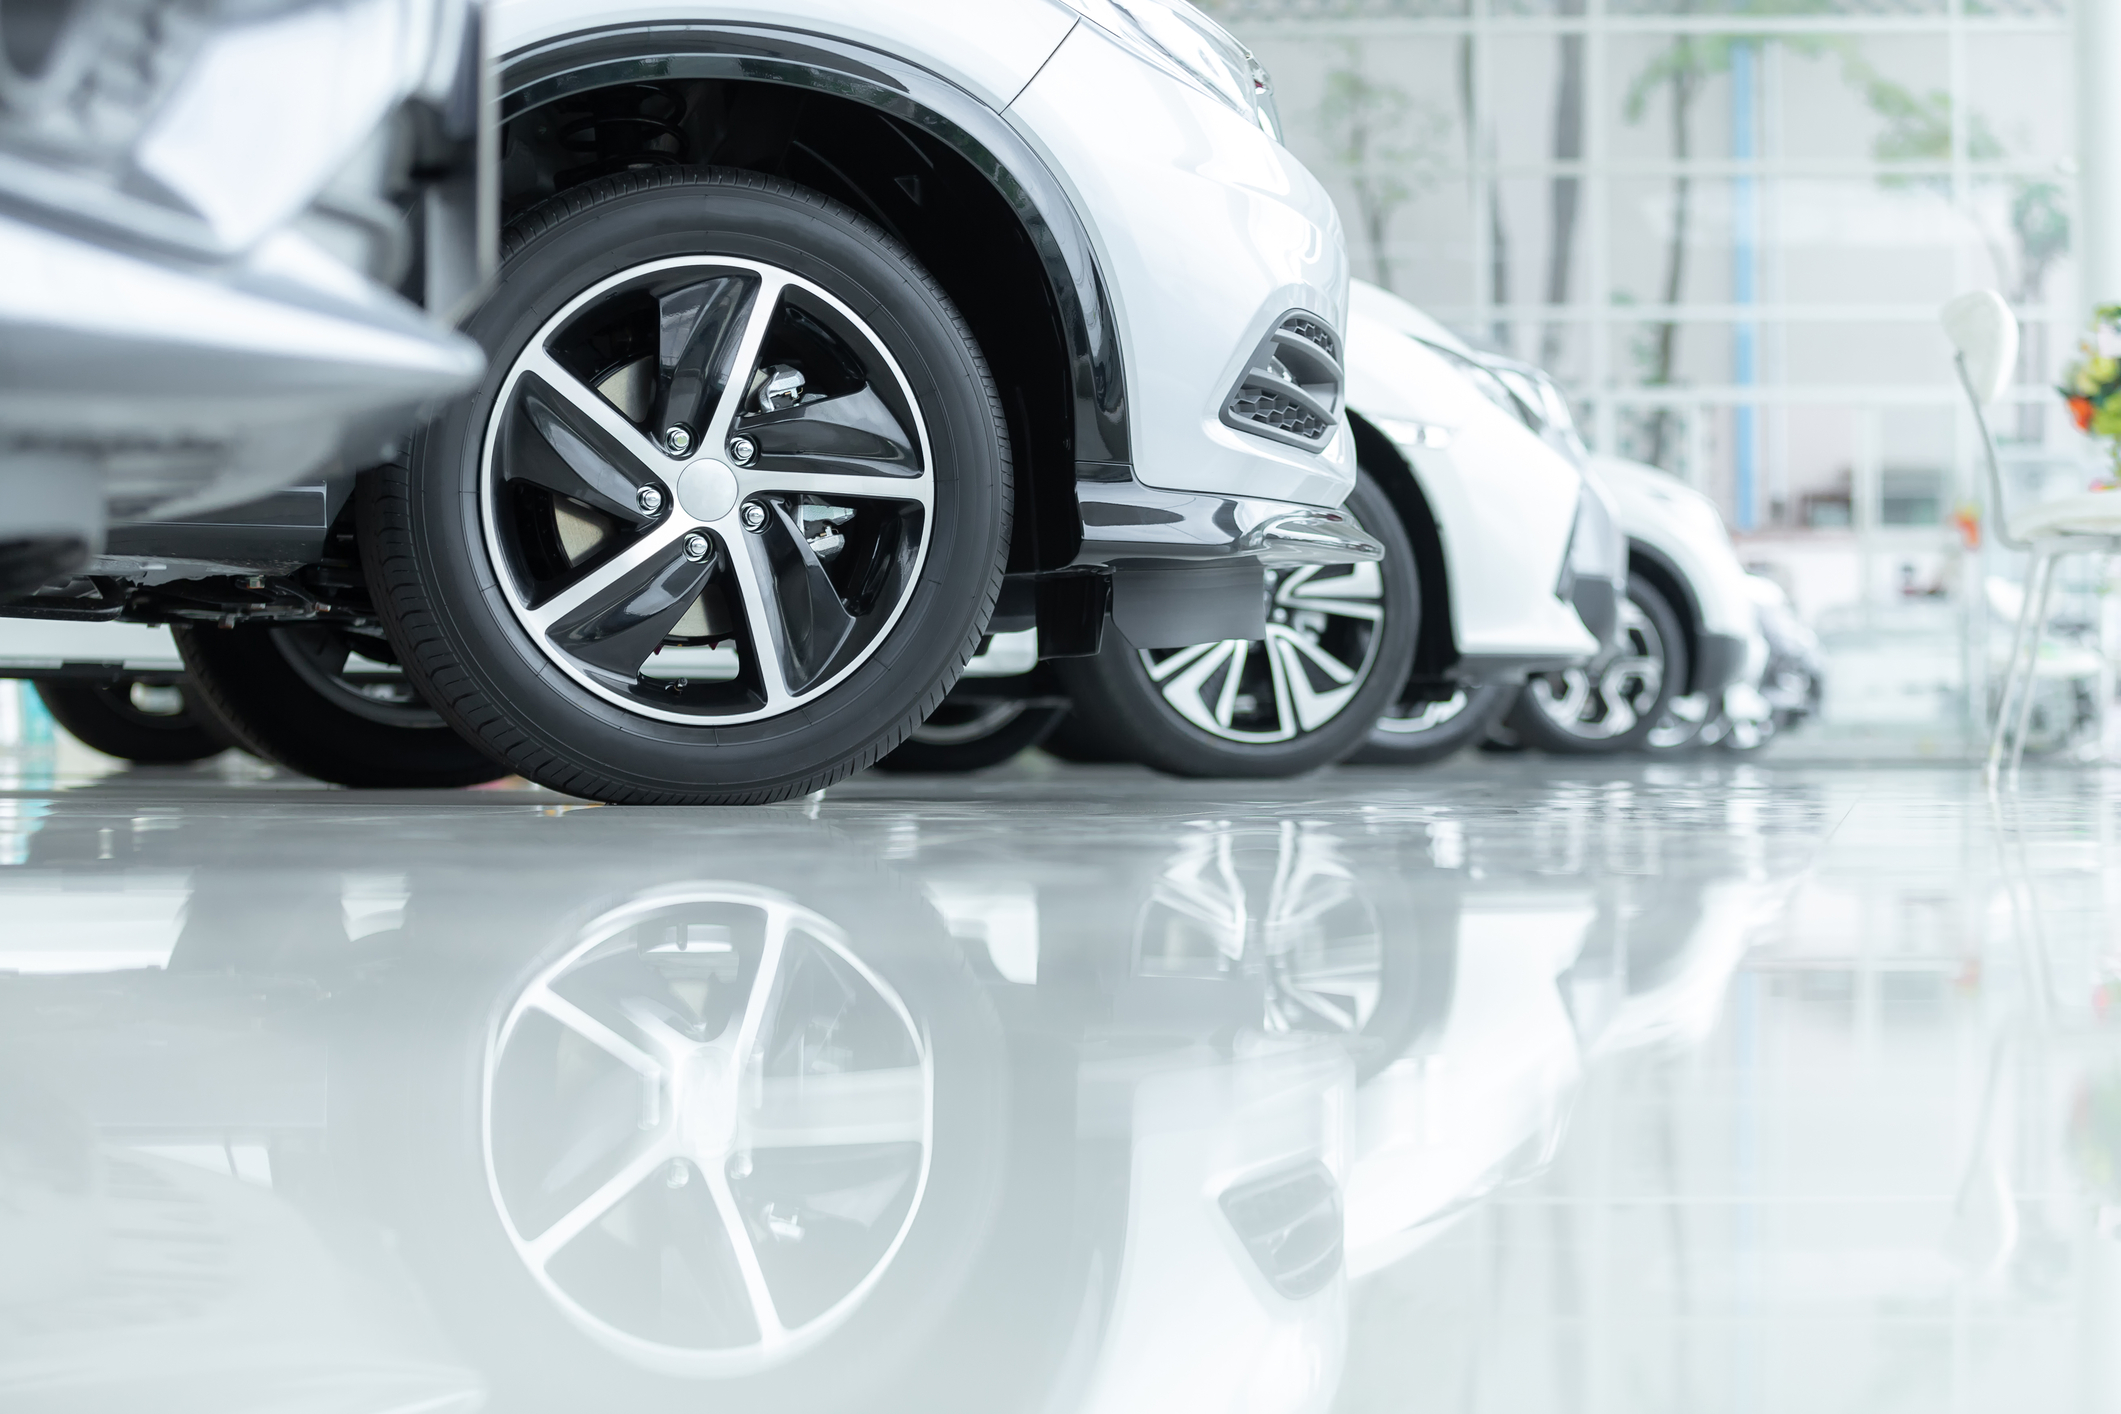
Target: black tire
1119	702
459	611
276	692
1079	743
1416	733
971	734
1616	706
104	717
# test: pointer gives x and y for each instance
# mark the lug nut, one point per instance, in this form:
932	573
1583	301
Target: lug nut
677	438
743	451
696	547
753	516
678	1174
650	500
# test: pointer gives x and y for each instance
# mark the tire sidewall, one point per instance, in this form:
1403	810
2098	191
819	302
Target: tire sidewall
619	224
243	680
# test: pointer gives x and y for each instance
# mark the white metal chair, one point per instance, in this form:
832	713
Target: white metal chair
1985	335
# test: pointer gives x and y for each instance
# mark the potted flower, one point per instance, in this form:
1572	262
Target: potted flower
2091	385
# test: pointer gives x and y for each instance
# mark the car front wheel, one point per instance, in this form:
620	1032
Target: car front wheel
727	516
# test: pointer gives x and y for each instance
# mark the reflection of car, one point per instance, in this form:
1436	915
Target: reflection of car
760	1138
819	350
1496	554
218	232
1549	973
884	1109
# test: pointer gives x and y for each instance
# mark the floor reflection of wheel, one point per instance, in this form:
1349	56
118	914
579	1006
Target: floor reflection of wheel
972	733
1615	702
327	702
713	1151
727	515
1338	641
1418	728
134	721
708	1128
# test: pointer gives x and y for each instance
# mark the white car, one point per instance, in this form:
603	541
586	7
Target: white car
1497	553
1680	630
827	339
235	239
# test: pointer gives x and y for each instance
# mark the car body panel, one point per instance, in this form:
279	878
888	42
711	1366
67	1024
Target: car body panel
201	310
1505	502
1207	232
990	48
1682	524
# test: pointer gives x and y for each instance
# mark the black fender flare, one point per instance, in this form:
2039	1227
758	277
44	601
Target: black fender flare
645	53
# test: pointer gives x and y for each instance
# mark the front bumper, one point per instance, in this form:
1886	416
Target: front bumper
1189	568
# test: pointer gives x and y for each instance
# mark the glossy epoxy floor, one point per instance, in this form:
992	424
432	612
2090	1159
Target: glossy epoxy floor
1513	1086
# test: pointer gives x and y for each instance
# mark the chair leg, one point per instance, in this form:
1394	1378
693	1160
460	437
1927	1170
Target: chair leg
2007	700
2032	660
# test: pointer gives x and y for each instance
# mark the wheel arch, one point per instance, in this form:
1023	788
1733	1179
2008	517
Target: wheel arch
934	167
1659	569
1435	645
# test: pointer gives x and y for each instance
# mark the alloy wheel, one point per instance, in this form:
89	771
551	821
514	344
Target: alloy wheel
1414	718
1324	629
707	489
1608	697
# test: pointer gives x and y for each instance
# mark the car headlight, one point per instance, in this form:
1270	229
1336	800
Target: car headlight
1183	42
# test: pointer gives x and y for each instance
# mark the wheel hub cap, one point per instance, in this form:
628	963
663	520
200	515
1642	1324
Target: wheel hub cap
707	490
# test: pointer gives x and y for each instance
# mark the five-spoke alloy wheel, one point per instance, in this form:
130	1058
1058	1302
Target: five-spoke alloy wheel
726	518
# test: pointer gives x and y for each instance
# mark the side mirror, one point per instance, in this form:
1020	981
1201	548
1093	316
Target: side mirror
1984	331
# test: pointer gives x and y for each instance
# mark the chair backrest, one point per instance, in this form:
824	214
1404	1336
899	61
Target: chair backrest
1984	333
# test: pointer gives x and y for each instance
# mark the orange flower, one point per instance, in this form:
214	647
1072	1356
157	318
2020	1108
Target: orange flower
1967	519
2081	410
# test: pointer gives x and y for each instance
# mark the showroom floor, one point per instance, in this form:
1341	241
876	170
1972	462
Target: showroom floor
1519	1084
